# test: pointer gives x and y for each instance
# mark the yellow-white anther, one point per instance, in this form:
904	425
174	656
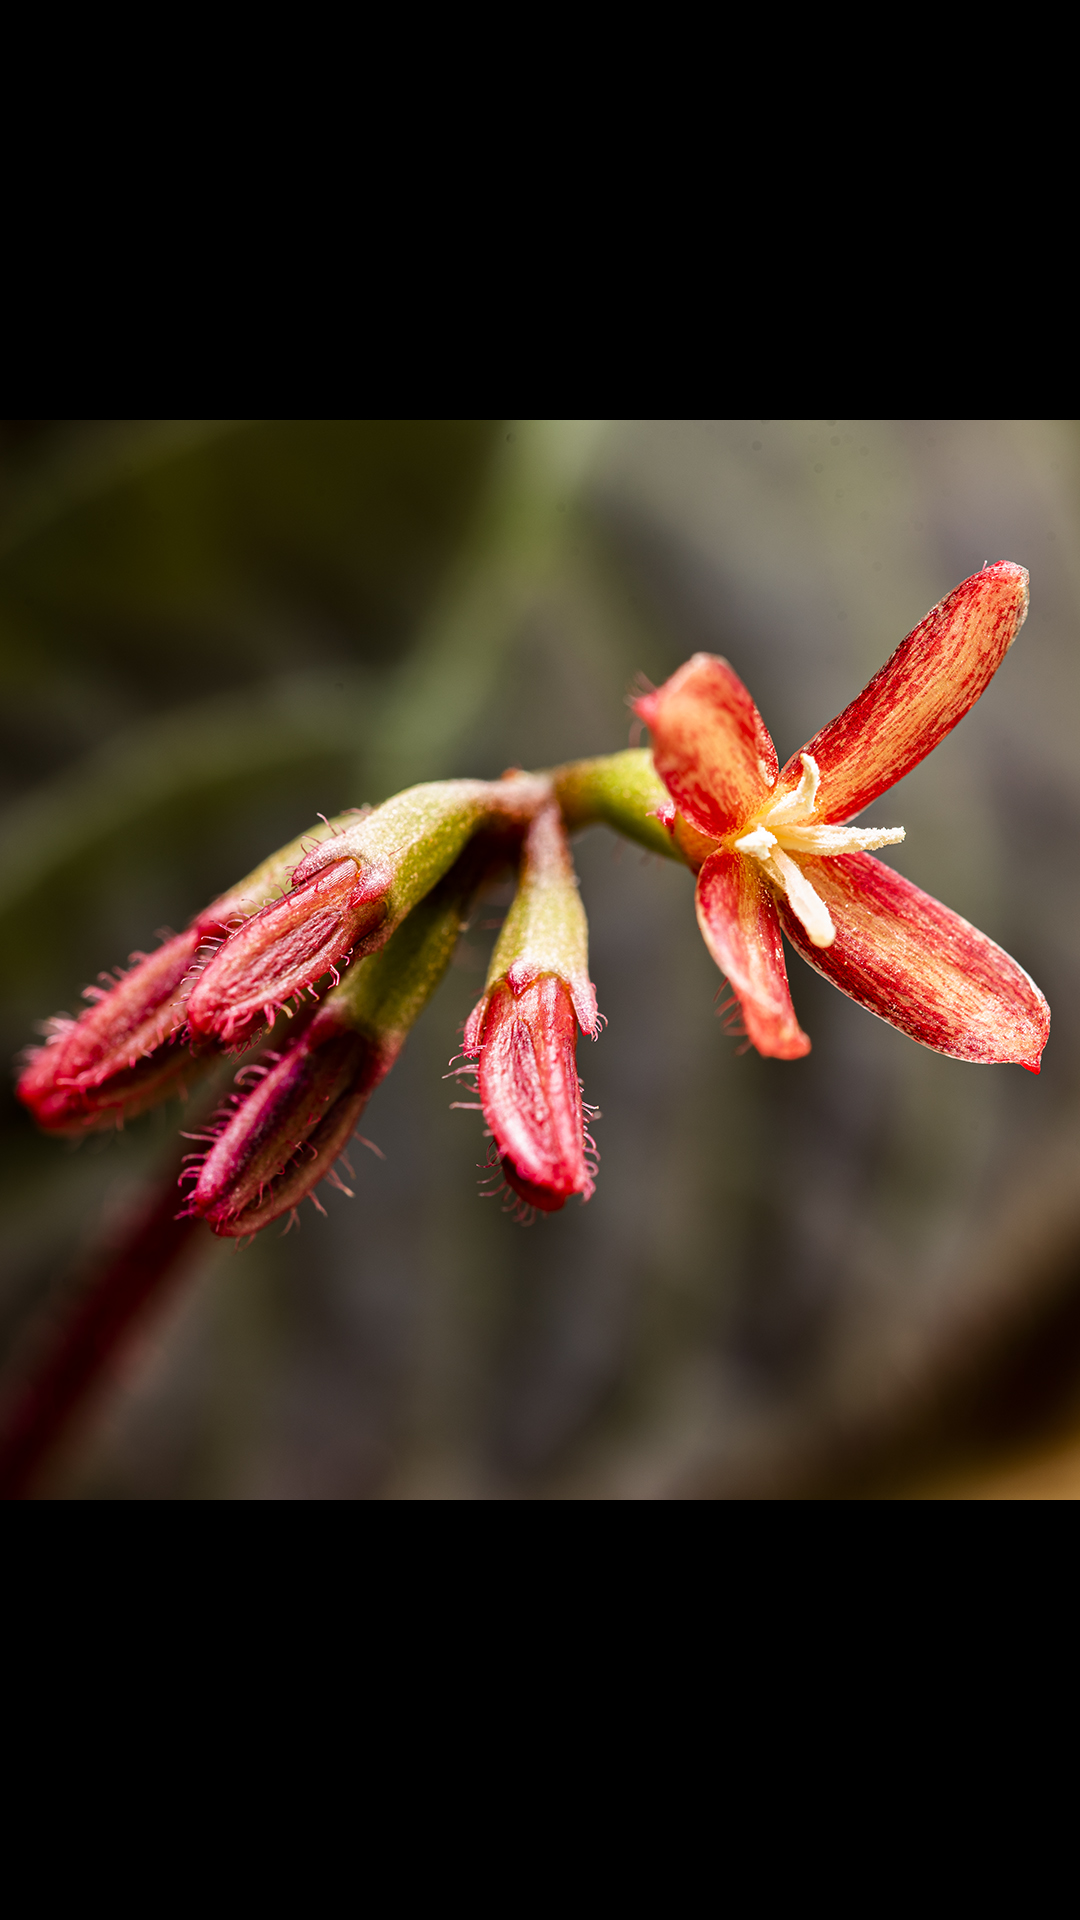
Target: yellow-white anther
803	799
787	827
805	904
760	843
790	821
827	841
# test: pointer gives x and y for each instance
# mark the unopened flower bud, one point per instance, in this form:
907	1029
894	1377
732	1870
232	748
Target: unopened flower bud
125	1053
122	1056
290	944
525	1028
288	1130
348	897
285	1133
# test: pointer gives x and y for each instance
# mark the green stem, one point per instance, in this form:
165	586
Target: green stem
618	790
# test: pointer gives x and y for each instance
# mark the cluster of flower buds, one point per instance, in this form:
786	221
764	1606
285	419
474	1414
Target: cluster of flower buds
329	951
299	1105
124	1054
331	948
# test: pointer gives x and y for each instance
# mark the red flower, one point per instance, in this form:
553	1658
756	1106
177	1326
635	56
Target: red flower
771	850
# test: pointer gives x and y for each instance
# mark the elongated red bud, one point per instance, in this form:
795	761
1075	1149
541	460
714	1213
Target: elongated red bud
123	1054
525	1027
126	1053
284	948
291	1128
530	1093
349	894
296	1114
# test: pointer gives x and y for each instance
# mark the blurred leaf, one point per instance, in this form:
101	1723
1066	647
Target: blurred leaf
163	761
167	759
185	552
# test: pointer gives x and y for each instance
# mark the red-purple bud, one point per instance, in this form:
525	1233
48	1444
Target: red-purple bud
287	1132
525	1027
123	1054
349	894
297	1113
530	1092
127	1052
286	947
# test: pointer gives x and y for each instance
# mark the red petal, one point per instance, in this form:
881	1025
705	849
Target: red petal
737	916
919	695
919	966
710	744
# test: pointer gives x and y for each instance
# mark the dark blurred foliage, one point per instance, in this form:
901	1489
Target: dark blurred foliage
818	1277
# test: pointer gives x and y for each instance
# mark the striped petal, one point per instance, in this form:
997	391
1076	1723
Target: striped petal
918	696
710	744
737	916
916	964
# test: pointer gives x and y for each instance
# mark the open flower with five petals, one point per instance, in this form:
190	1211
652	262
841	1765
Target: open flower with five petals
773	849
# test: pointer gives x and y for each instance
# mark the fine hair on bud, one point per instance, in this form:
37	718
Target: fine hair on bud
123	1055
289	1128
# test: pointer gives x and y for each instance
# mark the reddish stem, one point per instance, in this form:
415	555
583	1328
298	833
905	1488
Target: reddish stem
87	1339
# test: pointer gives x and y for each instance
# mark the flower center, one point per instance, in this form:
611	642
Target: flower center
785	827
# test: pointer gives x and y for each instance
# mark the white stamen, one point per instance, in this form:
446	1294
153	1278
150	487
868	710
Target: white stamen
759	843
804	797
786	827
806	905
832	840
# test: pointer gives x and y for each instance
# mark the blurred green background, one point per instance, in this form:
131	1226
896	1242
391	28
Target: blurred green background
852	1275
